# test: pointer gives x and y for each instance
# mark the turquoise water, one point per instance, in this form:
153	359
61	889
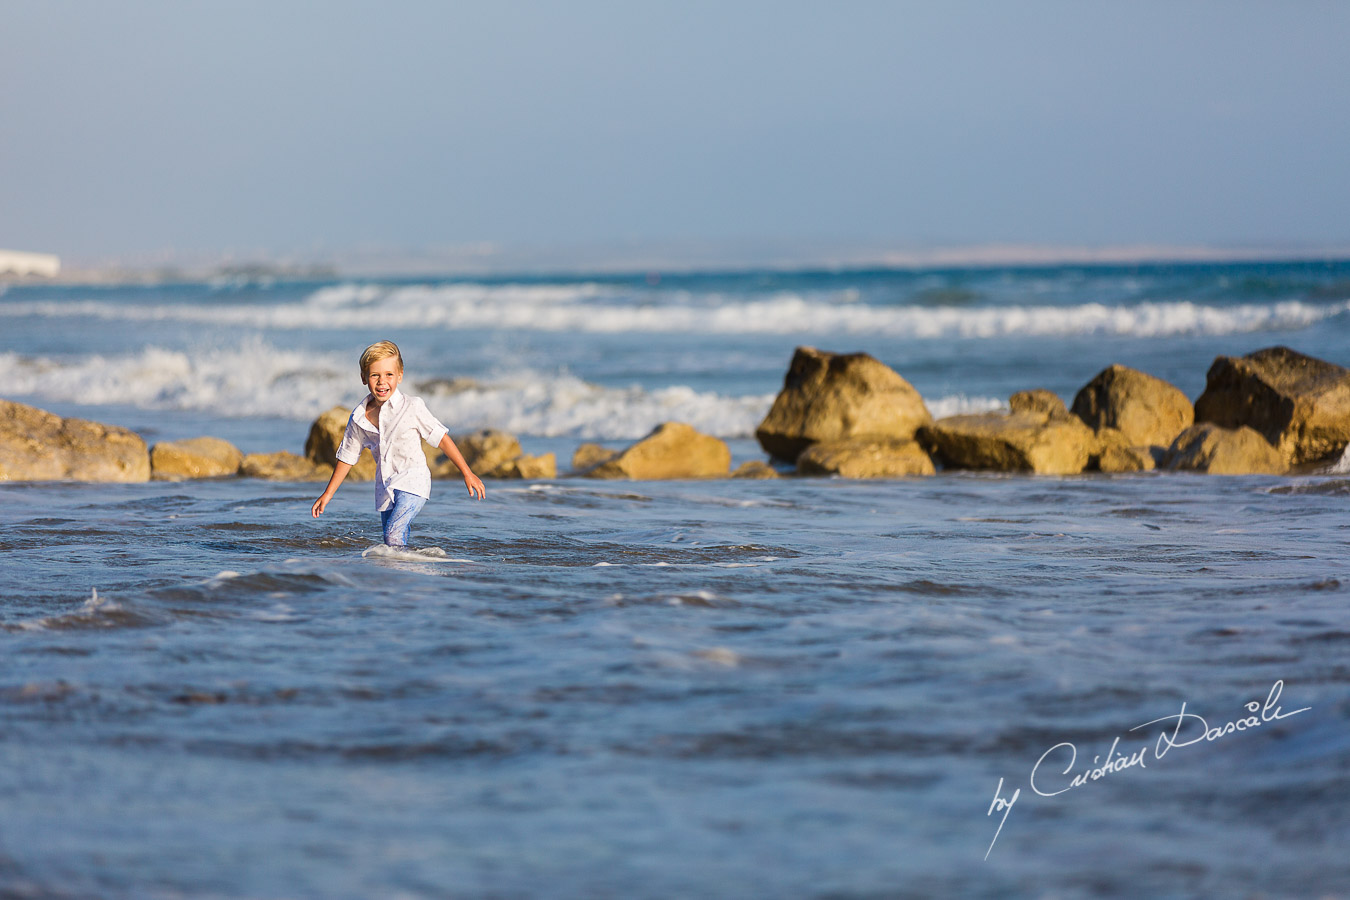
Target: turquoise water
785	688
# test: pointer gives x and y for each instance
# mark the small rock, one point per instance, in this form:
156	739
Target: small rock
1118	460
865	458
488	452
530	467
1017	442
755	468
1206	447
672	450
588	456
1040	402
283	466
202	457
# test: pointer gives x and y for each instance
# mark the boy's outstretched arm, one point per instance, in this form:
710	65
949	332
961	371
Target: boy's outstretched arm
471	481
340	471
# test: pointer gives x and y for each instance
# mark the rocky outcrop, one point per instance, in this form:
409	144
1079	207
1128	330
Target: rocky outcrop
755	469
832	397
36	445
1301	405
1015	442
283	466
1148	411
673	450
865	458
202	457
325	436
1207	447
1040	401
588	456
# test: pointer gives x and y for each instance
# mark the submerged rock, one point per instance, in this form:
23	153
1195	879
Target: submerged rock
325	436
202	457
1207	447
36	445
866	458
672	450
283	466
1015	442
1301	405
834	396
1148	411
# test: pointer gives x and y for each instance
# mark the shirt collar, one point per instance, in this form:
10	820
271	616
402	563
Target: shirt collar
395	401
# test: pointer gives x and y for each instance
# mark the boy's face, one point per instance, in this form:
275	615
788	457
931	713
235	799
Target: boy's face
384	376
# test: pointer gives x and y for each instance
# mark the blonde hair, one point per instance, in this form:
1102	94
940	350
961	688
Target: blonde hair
376	352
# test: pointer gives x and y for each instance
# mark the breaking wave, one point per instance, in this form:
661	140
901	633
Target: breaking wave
594	308
258	380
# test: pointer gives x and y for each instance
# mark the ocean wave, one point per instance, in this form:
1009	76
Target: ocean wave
595	308
257	380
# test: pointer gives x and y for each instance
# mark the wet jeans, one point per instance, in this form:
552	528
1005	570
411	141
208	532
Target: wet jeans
397	519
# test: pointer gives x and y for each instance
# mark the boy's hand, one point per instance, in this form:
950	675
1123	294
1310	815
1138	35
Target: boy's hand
317	509
475	486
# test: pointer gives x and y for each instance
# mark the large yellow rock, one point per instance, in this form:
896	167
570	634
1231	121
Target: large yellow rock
673	450
1206	447
1146	410
325	436
1015	442
283	466
1301	405
865	458
36	445
832	397
203	457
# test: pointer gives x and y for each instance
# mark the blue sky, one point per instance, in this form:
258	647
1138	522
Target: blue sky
141	128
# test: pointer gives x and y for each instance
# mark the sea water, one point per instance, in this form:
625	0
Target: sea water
962	685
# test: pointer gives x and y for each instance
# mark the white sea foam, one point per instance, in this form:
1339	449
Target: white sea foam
258	380
960	405
254	379
1341	466
567	406
591	308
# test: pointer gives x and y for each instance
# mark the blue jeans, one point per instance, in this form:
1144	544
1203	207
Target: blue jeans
397	519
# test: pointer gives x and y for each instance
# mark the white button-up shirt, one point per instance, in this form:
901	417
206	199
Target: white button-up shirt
400	463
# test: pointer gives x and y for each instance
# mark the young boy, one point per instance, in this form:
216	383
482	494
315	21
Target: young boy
392	426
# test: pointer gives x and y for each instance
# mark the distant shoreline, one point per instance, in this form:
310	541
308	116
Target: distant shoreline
581	262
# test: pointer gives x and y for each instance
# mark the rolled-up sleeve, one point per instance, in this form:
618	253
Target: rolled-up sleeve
349	451
428	426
